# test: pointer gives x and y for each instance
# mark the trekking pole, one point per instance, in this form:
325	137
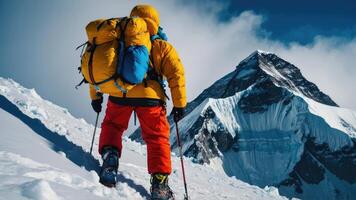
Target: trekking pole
181	161
92	141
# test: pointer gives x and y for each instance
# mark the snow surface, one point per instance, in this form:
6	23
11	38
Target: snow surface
55	118
43	155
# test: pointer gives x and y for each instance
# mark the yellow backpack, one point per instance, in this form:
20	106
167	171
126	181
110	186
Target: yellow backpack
117	52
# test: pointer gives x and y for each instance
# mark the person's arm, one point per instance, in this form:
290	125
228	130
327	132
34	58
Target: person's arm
94	95
173	69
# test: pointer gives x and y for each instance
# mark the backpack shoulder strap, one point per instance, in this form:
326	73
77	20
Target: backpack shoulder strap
152	74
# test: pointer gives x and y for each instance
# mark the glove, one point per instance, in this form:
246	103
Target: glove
178	113
96	104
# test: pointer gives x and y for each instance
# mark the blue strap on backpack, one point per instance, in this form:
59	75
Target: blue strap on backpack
160	35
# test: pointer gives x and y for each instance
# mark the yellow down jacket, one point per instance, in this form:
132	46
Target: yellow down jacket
166	62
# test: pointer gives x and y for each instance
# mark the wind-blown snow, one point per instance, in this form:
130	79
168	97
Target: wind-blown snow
43	155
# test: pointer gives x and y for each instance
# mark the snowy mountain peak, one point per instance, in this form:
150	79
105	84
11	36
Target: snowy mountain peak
266	124
262	66
253	55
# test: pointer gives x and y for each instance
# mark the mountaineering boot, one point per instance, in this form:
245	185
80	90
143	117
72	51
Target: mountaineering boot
108	172
159	187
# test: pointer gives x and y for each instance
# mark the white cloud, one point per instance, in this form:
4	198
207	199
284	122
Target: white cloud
208	47
329	63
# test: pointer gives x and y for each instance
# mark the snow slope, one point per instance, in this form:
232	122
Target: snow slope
44	155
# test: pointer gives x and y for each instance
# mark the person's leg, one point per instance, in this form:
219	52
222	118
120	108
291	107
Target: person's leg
155	132
115	123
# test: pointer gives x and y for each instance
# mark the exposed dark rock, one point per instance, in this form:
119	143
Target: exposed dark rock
207	144
264	93
224	139
316	159
296	79
341	163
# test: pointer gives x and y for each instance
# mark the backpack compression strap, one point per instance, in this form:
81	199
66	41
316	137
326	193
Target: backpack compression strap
114	77
90	63
80	68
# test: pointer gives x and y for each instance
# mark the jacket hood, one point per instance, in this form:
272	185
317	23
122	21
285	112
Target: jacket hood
149	14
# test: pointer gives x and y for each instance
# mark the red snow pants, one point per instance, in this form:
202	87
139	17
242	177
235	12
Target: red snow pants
155	132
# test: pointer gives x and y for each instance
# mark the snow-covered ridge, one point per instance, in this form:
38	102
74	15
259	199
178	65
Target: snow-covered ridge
33	165
54	117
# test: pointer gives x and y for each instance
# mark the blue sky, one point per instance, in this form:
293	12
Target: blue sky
298	20
38	38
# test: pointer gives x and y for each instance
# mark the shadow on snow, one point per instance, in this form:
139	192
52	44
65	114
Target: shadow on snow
73	152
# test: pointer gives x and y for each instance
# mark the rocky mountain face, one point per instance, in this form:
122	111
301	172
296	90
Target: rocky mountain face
265	124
